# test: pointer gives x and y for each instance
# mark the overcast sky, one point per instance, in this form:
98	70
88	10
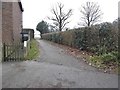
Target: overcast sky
37	10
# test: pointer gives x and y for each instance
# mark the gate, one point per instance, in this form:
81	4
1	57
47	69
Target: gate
13	52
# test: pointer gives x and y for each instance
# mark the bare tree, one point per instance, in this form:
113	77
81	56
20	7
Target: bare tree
60	18
91	13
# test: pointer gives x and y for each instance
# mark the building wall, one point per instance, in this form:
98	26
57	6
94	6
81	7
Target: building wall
17	22
7	22
0	23
0	31
11	22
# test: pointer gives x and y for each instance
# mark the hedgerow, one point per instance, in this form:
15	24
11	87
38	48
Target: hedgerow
97	39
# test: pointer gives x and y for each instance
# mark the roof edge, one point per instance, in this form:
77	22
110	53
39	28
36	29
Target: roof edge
20	5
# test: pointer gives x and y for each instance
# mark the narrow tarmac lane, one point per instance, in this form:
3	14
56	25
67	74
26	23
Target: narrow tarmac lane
54	69
55	55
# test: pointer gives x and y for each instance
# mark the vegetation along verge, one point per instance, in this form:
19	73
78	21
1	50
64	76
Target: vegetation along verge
33	50
100	40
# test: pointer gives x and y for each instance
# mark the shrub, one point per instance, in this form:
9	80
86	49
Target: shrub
99	39
106	58
96	60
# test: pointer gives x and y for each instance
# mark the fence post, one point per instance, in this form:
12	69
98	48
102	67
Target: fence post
4	52
15	52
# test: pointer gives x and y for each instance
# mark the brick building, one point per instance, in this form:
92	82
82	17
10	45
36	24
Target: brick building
11	22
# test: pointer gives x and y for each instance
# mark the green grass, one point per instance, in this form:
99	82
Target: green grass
106	61
33	52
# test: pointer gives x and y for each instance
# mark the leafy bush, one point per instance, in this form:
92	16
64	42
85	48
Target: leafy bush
96	60
106	58
99	39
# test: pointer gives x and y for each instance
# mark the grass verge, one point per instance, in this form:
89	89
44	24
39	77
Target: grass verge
33	50
108	62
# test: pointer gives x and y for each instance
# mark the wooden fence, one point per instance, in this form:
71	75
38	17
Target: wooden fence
13	52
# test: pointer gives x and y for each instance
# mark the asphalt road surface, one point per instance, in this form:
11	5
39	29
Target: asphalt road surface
54	69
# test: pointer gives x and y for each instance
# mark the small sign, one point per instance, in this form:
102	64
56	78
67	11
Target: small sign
25	35
25	43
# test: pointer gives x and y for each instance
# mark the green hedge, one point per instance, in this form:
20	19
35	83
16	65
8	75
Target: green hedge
93	39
